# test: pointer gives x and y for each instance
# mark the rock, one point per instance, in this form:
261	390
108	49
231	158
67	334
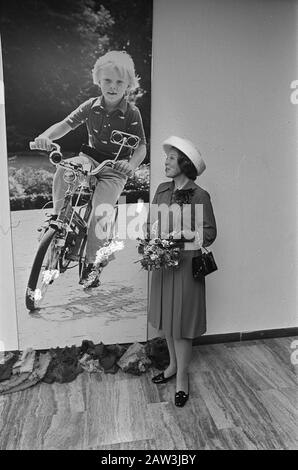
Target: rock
157	351
89	364
134	360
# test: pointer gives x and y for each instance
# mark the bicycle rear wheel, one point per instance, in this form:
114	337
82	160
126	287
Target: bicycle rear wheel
44	270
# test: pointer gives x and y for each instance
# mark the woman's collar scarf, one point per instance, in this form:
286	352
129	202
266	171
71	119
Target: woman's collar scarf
183	196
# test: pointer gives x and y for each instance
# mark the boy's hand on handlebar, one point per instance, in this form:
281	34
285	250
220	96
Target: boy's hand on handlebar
124	167
43	143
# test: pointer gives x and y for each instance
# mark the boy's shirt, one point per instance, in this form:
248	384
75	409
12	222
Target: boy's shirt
100	124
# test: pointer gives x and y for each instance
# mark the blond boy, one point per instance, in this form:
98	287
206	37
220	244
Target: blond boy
115	75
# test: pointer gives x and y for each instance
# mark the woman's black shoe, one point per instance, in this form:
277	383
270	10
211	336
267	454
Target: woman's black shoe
181	398
161	379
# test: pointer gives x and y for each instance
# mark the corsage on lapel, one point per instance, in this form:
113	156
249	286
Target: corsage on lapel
183	196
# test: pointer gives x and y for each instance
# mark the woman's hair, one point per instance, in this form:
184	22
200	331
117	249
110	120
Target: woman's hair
186	166
122	62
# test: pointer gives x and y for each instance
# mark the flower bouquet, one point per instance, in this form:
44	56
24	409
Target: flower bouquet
158	253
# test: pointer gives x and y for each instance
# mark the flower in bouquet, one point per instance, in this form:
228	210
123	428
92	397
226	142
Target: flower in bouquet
158	253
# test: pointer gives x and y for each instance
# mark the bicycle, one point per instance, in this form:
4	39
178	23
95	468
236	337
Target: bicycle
63	240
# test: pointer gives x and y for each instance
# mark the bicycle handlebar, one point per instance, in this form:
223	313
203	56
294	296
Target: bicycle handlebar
124	139
120	138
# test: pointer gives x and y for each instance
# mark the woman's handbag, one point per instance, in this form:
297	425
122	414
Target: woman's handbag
203	264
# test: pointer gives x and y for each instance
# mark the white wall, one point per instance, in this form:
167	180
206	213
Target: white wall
222	71
8	320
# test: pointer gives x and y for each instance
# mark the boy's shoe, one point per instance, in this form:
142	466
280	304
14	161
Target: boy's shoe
90	276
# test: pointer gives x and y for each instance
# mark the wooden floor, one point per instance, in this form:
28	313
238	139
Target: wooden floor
243	396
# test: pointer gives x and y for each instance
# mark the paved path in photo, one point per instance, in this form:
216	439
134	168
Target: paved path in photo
115	312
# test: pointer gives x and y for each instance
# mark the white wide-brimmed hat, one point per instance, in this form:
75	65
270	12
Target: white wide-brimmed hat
188	148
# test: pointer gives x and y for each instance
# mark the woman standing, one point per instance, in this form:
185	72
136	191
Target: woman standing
177	304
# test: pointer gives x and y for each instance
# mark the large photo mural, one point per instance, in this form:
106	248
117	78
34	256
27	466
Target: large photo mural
77	79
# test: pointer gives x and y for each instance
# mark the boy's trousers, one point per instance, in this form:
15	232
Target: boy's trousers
110	184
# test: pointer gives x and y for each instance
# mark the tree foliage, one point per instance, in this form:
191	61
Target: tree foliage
49	48
132	31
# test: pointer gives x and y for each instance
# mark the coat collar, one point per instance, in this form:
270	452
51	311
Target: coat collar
169	186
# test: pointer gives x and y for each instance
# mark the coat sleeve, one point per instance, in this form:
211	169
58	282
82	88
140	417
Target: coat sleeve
209	223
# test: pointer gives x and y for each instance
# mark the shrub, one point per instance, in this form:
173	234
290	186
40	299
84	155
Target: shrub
32	181
15	187
132	196
33	201
139	180
32	188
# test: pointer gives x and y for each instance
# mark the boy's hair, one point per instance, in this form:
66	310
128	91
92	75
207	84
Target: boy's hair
186	166
122	62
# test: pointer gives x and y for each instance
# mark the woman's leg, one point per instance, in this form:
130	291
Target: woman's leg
183	350
172	367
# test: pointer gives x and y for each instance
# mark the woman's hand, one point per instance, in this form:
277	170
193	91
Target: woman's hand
124	167
175	234
188	235
198	240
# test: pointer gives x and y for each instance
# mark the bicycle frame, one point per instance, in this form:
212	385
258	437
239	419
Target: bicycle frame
71	227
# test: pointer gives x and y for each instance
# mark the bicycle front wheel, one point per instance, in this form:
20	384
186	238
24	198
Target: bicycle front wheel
44	270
